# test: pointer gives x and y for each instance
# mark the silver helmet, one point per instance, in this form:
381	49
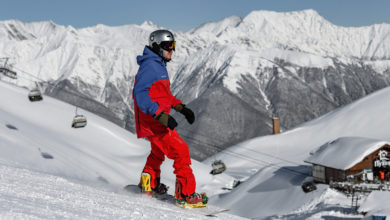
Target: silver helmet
161	40
160	36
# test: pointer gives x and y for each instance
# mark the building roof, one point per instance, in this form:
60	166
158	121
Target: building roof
343	153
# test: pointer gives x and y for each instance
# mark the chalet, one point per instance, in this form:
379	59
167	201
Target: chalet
364	159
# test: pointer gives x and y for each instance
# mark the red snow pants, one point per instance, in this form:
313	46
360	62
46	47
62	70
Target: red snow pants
171	145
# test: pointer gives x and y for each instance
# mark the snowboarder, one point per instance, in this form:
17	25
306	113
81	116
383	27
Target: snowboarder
152	104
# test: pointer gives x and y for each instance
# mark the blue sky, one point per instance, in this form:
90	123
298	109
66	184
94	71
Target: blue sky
185	14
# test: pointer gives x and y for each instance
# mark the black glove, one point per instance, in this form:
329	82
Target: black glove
188	113
166	120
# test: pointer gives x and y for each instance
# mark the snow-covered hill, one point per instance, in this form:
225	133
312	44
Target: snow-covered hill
50	170
273	166
295	65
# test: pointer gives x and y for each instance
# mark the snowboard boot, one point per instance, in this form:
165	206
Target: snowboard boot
145	186
194	200
161	188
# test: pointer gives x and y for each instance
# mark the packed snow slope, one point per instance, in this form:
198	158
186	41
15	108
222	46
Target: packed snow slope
273	167
50	170
25	194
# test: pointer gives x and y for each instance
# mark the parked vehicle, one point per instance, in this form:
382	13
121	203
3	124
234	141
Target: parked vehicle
308	185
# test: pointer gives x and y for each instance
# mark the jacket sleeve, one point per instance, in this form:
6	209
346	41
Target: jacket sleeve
144	80
175	101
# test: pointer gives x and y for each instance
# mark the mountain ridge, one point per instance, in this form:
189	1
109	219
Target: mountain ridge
294	65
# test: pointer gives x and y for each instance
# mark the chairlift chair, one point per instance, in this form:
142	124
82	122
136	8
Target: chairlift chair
218	167
35	95
79	121
7	72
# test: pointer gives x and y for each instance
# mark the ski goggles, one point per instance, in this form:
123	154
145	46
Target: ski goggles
168	45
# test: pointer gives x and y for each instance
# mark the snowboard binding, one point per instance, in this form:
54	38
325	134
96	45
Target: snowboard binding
145	186
194	200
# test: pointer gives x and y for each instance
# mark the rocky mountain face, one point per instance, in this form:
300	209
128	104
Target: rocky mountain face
236	74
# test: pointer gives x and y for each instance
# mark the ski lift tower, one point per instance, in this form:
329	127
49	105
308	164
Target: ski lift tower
6	71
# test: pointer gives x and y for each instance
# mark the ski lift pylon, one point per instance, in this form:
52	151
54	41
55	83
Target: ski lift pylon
79	121
218	167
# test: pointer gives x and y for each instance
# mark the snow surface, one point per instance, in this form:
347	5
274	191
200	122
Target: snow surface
25	194
89	166
377	203
345	152
50	170
273	167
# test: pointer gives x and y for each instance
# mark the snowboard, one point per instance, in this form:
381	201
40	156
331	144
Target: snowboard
209	211
164	197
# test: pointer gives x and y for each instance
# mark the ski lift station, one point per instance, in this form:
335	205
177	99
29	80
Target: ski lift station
356	159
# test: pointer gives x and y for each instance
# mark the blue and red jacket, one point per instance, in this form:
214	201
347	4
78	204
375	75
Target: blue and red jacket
152	94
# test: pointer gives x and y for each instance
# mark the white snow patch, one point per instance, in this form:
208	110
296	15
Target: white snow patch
377	203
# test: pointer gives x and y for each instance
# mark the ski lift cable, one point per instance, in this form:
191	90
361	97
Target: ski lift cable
262	162
37	79
26	78
44	81
245	157
247	148
32	75
248	158
52	85
253	160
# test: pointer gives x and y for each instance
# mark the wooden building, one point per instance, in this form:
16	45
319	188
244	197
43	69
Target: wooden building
362	159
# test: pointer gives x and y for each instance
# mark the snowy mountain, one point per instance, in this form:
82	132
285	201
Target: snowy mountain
293	65
235	73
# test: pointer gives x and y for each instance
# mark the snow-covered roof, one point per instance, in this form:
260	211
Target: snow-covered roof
343	153
377	203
